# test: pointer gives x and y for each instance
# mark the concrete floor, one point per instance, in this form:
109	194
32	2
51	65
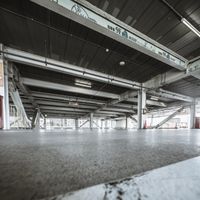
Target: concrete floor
37	165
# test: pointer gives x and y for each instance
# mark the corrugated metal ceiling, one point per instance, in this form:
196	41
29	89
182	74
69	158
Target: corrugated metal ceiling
157	21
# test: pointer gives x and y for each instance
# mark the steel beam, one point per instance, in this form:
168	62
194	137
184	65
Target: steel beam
171	95
169	117
42	62
67	88
164	79
121	97
65	68
194	67
119	110
133	38
148	102
133	118
83	123
63	109
66	98
62	104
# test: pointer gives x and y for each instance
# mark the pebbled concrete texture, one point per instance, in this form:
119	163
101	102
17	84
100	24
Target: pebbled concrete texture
39	165
178	181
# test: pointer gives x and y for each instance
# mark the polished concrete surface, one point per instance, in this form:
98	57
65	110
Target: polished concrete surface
179	181
37	165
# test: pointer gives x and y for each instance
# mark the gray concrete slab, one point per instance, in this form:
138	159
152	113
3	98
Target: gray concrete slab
37	165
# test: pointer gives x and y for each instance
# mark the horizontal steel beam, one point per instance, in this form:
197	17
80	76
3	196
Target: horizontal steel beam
66	98
118	110
67	88
65	105
148	102
122	97
64	109
65	68
164	79
193	69
75	110
171	95
107	25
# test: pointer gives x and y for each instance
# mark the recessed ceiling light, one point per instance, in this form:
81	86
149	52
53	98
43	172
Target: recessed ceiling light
107	50
122	63
154	98
83	83
73	103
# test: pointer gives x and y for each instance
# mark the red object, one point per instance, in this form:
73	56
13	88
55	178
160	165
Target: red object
1	112
197	122
145	124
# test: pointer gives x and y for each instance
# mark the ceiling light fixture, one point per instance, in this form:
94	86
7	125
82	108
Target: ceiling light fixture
154	98
83	83
107	50
190	26
122	63
73	103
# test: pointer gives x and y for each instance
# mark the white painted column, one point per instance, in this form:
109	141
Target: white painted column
37	122
126	122
101	123
45	123
76	124
106	124
91	121
5	93
141	107
193	114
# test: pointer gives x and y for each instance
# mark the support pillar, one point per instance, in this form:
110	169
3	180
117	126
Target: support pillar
106	124
91	121
141	107
76	124
37	121
126	122
192	114
4	92
45	123
101	123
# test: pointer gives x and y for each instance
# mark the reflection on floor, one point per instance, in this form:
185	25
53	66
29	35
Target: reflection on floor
178	181
39	165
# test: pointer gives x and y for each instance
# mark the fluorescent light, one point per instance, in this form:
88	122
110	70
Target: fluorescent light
122	63
154	98
72	103
83	83
190	26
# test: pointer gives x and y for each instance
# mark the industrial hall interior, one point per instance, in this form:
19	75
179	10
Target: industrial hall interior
99	99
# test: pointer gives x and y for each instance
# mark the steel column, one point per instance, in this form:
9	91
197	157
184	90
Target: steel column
141	107
45	123
192	115
6	111
37	121
126	125
91	121
76	123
